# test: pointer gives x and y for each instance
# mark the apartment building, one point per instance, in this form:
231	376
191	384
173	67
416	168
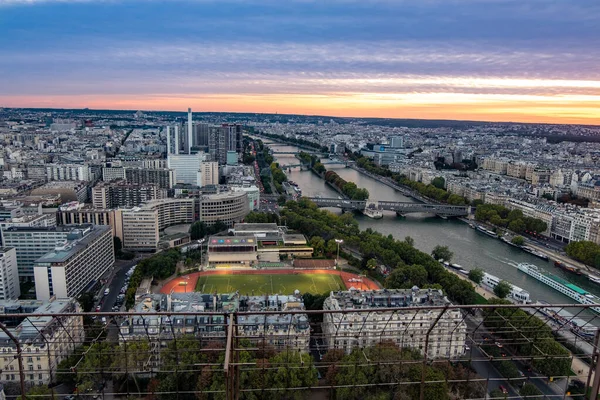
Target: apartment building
68	190
68	172
9	275
45	341
542	211
70	267
124	194
209	172
281	330
407	328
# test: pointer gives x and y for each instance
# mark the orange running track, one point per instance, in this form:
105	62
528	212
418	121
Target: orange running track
187	283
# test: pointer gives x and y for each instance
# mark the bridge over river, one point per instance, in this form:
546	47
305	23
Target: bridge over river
401	208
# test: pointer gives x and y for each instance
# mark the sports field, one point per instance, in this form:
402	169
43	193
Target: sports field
269	283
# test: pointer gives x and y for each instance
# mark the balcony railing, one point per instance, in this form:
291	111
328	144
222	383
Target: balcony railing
508	351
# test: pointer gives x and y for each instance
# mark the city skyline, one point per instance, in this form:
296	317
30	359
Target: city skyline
466	60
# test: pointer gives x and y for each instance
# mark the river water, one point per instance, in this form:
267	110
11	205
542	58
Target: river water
471	248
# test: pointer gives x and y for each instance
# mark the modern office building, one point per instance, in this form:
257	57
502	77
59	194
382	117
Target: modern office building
124	194
139	229
141	226
45	341
9	275
74	213
186	167
33	243
228	207
280	330
406	328
30	221
209	172
65	271
253	193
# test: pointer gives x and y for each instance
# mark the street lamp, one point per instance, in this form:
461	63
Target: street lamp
338	241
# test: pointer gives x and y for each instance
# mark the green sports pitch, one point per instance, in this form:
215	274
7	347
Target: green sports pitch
269	283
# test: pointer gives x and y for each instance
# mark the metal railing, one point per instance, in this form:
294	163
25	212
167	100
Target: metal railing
466	352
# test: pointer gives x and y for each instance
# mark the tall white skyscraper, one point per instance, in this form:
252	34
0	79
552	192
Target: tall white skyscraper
190	132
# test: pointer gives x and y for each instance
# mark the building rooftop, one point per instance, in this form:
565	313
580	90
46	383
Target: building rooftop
78	239
356	299
226	241
243	227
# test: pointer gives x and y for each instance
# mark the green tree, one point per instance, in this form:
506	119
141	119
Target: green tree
117	244
372	263
39	392
198	230
318	245
517	225
476	275
281	200
507	369
518	240
439	182
86	300
409	241
502	289
530	391
406	276
442	253
496	394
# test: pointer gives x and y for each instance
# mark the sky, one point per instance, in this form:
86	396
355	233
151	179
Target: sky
492	60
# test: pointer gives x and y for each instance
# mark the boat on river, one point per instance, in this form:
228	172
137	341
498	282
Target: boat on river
371	210
567	267
534	252
567	288
516	293
486	231
594	278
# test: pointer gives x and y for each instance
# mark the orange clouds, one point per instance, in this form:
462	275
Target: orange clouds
577	109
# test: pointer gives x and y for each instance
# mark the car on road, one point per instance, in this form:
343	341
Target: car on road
499	344
69	397
503	389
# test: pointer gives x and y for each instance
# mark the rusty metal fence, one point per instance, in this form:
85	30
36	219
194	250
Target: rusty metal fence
452	352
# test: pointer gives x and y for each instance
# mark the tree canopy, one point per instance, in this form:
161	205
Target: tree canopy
476	275
442	253
502	289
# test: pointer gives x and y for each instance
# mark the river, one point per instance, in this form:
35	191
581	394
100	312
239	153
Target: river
471	249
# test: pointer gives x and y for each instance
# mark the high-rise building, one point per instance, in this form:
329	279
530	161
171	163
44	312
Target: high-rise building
201	137
124	194
186	167
9	275
190	132
33	243
163	177
66	270
209	171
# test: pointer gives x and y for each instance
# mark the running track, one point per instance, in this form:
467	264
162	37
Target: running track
187	283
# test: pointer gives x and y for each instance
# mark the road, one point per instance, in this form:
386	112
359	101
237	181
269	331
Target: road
486	369
116	282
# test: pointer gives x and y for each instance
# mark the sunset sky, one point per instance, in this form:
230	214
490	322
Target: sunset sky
498	60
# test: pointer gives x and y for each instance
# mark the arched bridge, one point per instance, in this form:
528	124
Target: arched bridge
399	207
